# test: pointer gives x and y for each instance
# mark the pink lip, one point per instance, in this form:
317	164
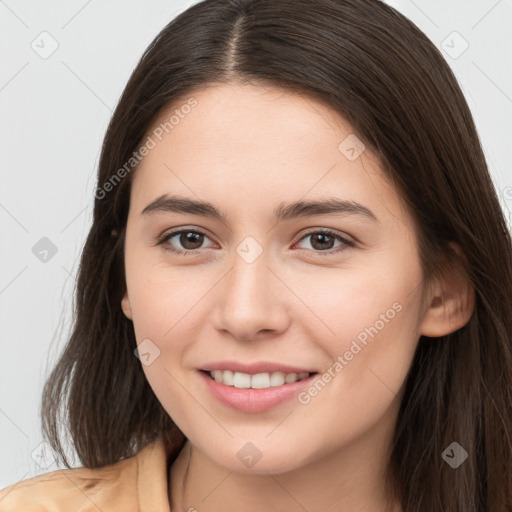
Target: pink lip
254	400
254	368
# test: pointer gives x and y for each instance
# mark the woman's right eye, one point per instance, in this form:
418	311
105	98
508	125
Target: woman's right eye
190	240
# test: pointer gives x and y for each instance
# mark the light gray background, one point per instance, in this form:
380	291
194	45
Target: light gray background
54	112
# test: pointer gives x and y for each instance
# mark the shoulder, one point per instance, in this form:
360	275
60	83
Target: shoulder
114	488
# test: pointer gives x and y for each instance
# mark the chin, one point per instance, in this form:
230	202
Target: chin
257	458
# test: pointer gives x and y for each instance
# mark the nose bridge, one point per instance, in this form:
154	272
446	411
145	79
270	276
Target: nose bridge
249	300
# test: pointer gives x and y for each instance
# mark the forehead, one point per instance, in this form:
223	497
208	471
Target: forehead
251	116
248	146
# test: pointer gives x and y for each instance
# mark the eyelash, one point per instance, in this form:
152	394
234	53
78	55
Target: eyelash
192	252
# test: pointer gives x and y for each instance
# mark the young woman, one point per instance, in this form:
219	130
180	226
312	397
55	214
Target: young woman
296	291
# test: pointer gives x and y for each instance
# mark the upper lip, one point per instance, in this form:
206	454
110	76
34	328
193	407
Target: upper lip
254	368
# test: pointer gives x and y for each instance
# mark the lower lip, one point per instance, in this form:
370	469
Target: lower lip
254	400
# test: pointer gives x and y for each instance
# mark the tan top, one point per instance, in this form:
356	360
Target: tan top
135	484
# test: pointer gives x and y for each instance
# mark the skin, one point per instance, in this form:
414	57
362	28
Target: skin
246	149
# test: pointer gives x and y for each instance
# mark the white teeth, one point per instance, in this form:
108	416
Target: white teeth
227	378
260	381
242	380
291	377
257	381
277	379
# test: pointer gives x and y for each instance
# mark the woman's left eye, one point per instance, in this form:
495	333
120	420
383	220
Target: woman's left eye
192	240
323	238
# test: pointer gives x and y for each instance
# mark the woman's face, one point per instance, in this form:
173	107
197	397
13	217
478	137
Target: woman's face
278	293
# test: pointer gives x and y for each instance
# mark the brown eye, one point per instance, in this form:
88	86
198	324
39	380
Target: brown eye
186	241
190	240
322	242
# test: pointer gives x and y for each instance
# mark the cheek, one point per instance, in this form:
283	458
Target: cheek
369	359
162	298
168	309
367	322
162	302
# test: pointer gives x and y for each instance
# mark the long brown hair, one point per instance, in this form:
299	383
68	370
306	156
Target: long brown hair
377	70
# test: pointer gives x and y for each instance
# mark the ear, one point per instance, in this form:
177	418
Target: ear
451	303
125	305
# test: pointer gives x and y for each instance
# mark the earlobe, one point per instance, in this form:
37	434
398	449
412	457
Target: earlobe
451	306
125	305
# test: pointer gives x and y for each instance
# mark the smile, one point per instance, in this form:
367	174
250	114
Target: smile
257	381
240	391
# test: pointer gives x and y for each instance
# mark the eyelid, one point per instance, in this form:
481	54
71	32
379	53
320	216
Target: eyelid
327	231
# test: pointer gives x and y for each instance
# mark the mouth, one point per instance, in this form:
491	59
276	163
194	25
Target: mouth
254	392
264	380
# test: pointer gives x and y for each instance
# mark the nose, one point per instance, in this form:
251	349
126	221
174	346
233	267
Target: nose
252	302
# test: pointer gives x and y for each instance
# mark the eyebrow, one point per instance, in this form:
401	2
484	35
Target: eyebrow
285	211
